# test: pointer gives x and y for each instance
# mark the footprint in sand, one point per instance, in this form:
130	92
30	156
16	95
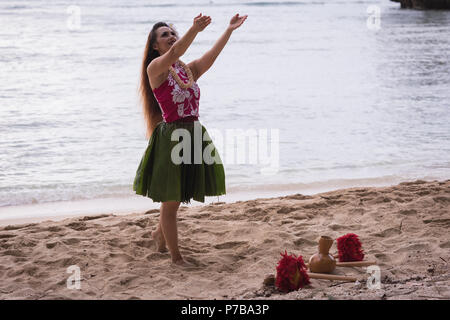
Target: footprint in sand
54	229
28	243
267	241
143	223
366	194
414	247
124	280
303	241
64	262
156	256
13	252
199	248
147	234
78	226
320	205
71	241
380	199
252	210
443	200
444	222
387	233
14	273
51	245
410	212
445	245
299	216
6	245
124	225
337	227
116	242
230	244
200	215
121	257
30	269
194	262
284	210
7	236
188	263
423	193
144	243
382	257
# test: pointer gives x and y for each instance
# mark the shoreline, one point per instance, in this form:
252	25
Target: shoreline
233	246
56	211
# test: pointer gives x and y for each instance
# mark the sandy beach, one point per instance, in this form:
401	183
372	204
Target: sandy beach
233	246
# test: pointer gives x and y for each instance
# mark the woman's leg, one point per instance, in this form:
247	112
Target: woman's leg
158	237
168	221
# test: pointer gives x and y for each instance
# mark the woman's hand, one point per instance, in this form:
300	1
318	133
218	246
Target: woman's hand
200	22
236	21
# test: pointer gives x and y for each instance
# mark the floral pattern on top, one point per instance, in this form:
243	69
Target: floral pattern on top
176	102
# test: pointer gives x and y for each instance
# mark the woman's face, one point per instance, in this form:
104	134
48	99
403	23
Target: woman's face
165	38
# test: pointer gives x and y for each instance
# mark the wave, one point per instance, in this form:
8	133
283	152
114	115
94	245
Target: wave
62	193
328	185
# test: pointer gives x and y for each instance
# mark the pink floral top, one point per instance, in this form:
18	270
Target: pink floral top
175	102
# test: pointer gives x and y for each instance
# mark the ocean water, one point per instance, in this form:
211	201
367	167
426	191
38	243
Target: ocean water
352	103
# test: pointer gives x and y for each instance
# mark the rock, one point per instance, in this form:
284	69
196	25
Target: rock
269	280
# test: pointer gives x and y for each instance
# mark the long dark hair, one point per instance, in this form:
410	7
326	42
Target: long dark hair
152	112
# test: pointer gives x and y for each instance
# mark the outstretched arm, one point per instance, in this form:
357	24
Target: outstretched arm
162	63
201	65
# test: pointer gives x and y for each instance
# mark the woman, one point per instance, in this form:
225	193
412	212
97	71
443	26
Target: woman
170	98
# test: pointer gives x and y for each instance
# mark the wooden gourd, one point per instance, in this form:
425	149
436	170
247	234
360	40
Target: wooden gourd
323	261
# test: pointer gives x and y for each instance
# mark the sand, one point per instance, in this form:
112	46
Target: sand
233	246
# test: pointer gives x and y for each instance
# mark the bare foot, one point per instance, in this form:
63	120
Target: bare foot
182	263
159	241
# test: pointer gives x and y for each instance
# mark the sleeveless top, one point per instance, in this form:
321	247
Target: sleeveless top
176	103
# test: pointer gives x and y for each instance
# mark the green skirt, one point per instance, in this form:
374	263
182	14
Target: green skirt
180	165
